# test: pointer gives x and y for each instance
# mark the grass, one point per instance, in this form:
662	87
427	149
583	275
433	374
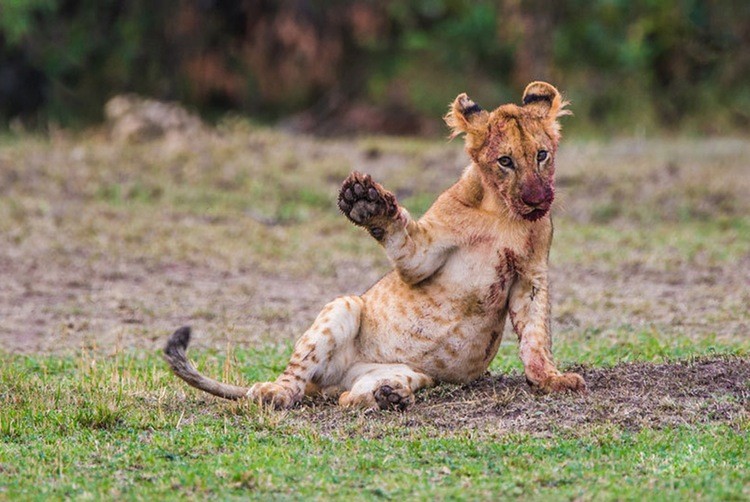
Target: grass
118	426
106	248
204	461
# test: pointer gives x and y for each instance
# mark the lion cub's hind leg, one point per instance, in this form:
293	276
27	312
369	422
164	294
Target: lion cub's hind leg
321	356
382	386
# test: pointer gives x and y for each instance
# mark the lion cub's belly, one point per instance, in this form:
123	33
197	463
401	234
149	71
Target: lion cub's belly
449	327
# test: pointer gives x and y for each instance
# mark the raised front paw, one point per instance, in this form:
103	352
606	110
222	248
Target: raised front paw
562	383
365	202
273	394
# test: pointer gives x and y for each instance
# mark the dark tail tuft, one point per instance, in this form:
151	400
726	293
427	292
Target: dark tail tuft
178	343
174	353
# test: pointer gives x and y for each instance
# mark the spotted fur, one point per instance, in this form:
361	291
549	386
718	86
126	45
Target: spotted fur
478	256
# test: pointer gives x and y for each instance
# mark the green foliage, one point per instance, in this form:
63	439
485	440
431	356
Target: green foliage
673	48
644	64
88	51
17	17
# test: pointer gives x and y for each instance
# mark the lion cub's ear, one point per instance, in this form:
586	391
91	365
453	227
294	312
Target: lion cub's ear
465	116
544	98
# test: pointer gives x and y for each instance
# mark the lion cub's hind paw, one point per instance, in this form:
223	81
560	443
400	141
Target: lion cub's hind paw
362	200
393	396
272	394
387	395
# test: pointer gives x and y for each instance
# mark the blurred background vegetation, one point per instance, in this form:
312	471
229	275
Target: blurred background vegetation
628	66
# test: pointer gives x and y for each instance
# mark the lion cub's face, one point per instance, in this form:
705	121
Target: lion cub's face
514	147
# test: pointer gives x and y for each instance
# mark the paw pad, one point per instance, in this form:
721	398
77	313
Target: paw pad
363	201
393	397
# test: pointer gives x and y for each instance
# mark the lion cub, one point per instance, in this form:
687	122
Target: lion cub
477	256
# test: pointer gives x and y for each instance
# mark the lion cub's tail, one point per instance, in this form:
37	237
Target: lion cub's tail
174	353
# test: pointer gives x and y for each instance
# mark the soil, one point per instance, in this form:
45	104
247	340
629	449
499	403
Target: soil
632	396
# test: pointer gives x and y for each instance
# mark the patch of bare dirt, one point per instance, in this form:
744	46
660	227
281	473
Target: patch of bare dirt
78	271
631	396
688	300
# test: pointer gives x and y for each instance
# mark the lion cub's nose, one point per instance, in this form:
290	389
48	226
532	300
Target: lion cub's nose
534	195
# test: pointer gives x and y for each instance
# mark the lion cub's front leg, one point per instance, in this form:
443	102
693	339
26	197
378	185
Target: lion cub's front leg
416	249
529	314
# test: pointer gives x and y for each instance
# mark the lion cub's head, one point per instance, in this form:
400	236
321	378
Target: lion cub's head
514	146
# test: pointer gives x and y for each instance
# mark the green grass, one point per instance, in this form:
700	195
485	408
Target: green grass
693	242
94	426
624	344
207	460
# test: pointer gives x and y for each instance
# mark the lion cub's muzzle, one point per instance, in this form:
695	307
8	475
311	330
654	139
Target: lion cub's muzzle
537	199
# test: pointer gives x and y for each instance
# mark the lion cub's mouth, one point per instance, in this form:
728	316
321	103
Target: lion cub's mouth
536	213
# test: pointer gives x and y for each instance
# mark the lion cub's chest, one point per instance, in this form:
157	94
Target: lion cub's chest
451	324
464	334
483	275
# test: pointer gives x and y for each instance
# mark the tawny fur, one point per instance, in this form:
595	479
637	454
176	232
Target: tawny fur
477	257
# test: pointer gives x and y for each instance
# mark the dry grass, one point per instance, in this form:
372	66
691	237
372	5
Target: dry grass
103	245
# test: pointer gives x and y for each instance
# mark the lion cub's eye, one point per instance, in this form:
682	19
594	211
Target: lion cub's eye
541	155
505	161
